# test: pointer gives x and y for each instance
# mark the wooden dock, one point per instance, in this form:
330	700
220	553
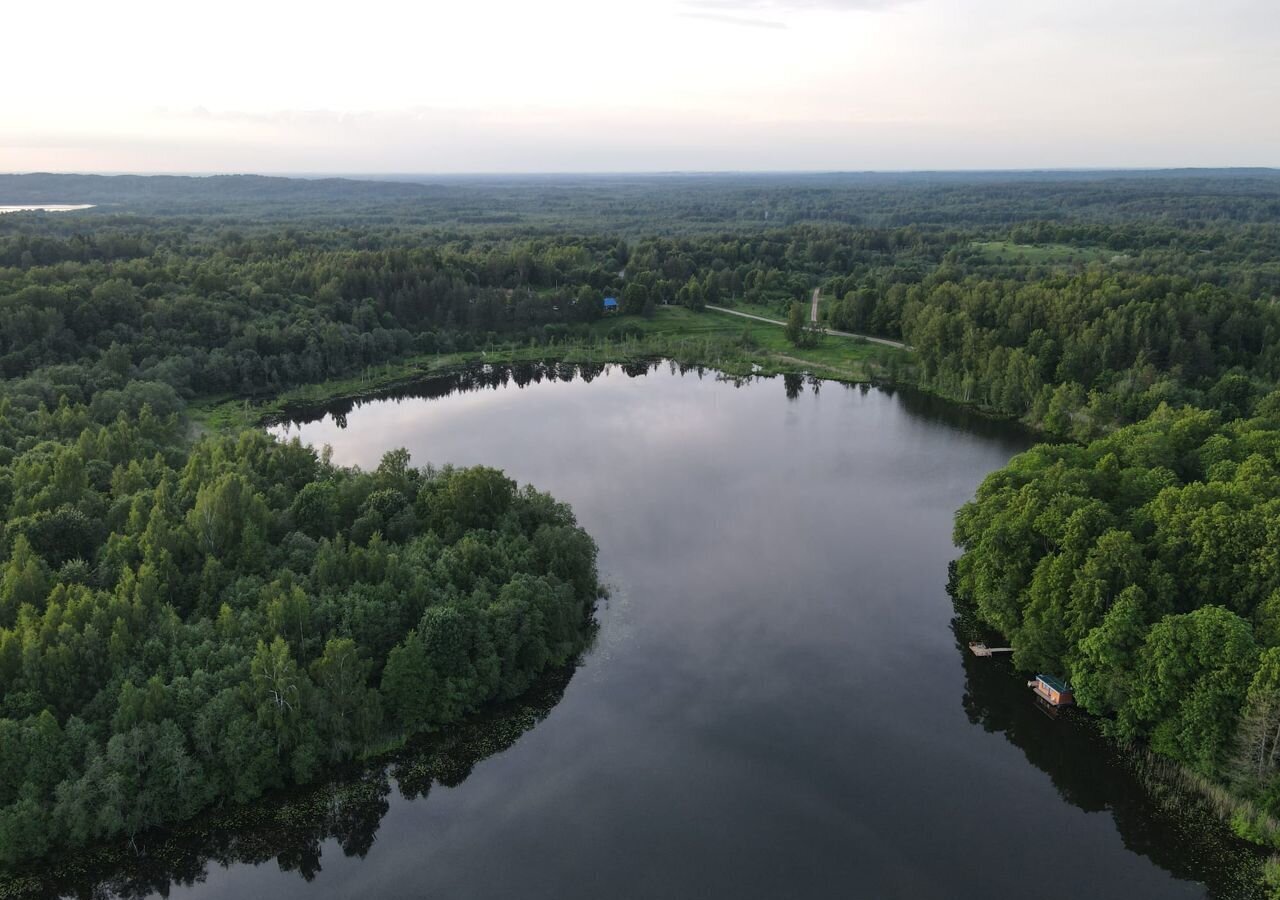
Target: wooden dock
981	649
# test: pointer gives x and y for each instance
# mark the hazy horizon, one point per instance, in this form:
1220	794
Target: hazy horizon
412	177
577	87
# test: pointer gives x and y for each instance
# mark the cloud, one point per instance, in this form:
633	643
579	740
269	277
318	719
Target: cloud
751	13
777	6
728	19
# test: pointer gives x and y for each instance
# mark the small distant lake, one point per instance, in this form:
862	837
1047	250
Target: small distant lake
46	207
779	701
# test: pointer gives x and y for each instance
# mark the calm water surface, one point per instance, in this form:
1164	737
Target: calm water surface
778	703
46	207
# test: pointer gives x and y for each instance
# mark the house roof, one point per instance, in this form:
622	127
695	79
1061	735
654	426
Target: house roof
610	301
1056	683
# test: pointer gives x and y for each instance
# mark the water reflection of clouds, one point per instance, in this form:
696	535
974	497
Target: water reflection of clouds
778	671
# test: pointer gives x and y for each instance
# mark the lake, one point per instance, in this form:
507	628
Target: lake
47	207
779	701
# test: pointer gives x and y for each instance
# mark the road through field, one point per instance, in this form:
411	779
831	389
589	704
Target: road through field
866	337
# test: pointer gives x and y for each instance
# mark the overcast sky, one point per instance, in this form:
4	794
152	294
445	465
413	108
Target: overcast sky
637	85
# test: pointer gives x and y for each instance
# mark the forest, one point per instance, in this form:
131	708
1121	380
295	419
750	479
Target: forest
677	204
1145	566
192	620
189	619
1093	332
189	624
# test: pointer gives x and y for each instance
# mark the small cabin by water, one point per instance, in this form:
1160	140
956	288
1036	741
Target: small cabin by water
611	304
1053	691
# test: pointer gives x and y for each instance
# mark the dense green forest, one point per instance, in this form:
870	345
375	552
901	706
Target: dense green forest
182	625
190	619
1146	566
1075	326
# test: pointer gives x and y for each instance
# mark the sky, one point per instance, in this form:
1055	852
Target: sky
276	86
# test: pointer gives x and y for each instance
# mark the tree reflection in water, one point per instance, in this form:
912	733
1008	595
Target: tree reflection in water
493	377
1093	774
291	828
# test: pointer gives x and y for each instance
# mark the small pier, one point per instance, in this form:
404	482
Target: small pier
981	649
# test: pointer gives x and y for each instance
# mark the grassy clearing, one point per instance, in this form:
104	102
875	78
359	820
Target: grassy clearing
772	309
1040	254
732	344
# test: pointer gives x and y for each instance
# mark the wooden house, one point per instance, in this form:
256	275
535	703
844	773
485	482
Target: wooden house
1053	691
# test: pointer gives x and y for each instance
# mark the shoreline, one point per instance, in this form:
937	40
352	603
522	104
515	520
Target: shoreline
285	814
719	343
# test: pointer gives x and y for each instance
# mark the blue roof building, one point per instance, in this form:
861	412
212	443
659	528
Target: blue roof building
611	304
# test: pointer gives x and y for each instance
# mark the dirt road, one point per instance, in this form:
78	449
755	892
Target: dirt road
848	334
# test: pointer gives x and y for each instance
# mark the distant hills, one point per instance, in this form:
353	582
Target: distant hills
677	202
186	193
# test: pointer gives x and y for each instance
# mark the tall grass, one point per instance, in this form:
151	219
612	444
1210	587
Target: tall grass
1271	876
1203	805
1172	783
